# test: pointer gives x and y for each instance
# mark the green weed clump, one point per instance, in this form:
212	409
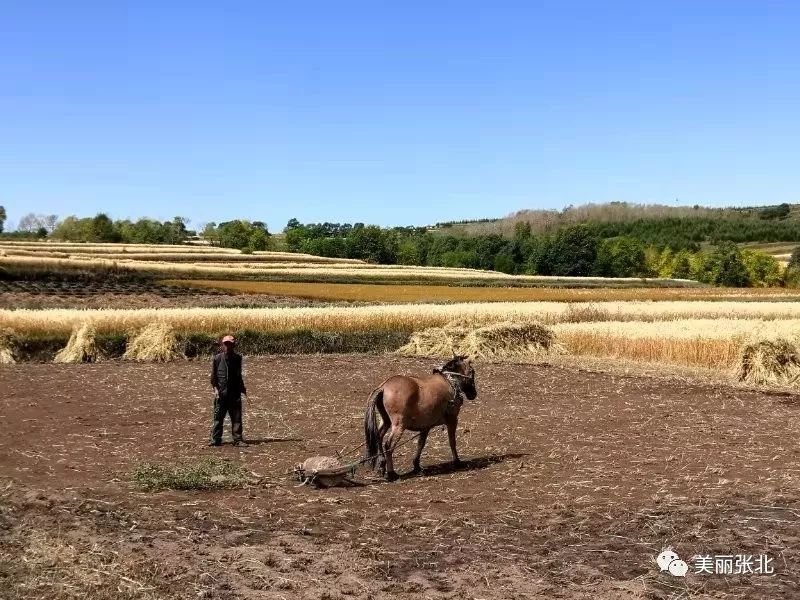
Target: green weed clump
208	474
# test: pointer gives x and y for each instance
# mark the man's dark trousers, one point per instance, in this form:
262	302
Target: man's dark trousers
231	406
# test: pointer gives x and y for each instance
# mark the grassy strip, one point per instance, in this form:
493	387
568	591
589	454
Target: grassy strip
208	474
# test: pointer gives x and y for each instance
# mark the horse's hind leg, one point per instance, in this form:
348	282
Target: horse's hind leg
382	454
389	445
423	437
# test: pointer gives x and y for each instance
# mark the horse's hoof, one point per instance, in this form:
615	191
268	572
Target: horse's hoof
458	464
392	476
417	470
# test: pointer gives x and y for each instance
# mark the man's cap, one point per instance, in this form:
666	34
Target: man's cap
229	338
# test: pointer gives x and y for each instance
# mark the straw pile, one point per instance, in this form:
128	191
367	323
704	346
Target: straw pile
81	347
155	343
7	347
769	362
507	339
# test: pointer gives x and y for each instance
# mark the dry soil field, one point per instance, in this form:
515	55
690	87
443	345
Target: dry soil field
574	481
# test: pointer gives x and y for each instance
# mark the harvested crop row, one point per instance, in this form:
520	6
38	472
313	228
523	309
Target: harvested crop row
401	317
713	343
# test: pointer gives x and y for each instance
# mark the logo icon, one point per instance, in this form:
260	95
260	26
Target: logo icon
669	561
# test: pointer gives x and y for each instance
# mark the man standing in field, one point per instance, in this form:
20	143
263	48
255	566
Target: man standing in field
226	379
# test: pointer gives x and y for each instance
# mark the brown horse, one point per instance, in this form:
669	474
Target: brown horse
416	404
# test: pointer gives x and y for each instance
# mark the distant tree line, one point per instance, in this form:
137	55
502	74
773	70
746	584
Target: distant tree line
101	229
643	247
544	221
244	235
689	233
575	250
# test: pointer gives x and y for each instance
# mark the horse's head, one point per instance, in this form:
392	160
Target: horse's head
463	366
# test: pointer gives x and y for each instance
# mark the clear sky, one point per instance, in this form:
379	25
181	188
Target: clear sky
394	112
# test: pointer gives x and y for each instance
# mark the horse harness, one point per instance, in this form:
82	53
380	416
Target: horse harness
452	378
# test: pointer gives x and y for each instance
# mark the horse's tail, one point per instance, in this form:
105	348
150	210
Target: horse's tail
372	438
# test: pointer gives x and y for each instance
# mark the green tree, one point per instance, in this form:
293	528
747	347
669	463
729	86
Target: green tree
763	270
2	217
210	233
101	229
504	263
295	235
69	230
371	243
727	266
572	251
175	231
621	257
409	252
244	235
682	266
233	234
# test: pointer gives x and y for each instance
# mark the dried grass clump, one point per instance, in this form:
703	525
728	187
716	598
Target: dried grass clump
507	339
7	342
81	347
157	342
769	362
435	341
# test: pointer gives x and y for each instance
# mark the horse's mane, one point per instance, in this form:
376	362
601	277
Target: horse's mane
449	365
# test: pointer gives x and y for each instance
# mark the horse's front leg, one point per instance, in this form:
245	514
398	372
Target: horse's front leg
423	437
451	436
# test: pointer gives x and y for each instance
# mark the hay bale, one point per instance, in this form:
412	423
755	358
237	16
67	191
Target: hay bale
769	362
507	339
435	341
156	342
81	347
7	344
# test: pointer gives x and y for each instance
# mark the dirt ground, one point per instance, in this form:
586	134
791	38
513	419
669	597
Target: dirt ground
574	481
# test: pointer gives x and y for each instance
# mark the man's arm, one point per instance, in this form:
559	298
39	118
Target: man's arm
241	376
214	381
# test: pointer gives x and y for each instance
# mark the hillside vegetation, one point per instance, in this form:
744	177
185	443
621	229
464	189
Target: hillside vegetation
715	246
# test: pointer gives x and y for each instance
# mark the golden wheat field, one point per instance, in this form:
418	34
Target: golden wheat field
406	317
696	334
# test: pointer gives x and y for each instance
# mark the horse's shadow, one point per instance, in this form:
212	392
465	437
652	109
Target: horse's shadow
471	464
447	467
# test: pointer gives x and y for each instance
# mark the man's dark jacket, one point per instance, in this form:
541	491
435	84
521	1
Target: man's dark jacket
226	375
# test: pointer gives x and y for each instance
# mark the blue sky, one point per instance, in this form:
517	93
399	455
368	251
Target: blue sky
394	112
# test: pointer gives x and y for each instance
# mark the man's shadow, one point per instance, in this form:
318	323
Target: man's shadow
271	440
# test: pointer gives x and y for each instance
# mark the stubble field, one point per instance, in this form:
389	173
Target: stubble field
574	482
